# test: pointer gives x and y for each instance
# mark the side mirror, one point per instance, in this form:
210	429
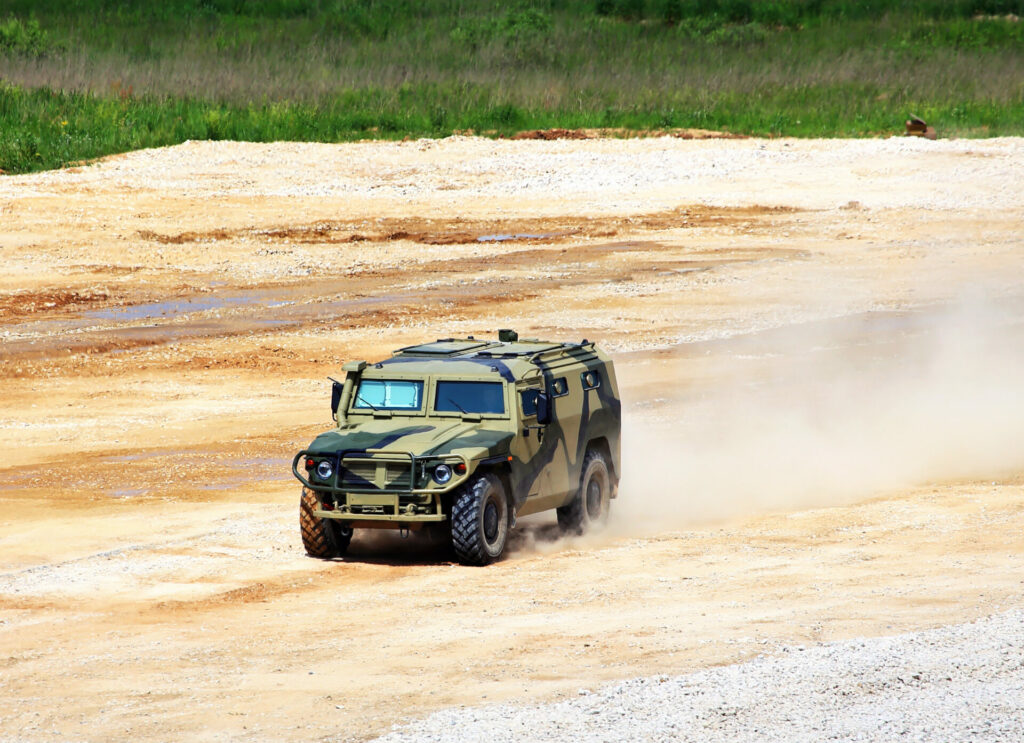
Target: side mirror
335	397
543	408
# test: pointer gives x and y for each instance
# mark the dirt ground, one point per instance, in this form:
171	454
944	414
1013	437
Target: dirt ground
169	319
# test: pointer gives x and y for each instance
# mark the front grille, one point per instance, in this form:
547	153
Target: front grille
363	474
398	475
359	473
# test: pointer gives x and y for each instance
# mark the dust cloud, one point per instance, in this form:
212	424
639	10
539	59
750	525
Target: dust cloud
825	414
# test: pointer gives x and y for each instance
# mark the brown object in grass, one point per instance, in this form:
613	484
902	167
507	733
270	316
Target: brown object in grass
916	127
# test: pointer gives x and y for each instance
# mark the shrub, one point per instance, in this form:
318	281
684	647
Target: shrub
981	33
515	27
525	23
24	38
632	10
670	11
737	11
775	13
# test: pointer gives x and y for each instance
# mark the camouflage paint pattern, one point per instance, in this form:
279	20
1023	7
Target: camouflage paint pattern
382	460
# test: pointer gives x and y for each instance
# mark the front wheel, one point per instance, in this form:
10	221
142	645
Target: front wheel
321	537
480	521
589	507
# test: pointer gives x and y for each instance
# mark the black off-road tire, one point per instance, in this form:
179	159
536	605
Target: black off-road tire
480	521
589	507
321	537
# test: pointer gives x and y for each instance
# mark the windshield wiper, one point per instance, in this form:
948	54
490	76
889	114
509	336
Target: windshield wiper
464	411
360	398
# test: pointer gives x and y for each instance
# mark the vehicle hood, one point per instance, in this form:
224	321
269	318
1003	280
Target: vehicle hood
420	438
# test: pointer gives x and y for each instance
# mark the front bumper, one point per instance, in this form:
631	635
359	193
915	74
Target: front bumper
392	516
378	486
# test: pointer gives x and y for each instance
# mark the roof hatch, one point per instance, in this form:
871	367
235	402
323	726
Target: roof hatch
444	347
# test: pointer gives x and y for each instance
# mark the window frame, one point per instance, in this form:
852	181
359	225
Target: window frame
551	387
432	401
355	408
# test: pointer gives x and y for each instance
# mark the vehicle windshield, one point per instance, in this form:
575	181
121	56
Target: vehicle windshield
389	394
470	397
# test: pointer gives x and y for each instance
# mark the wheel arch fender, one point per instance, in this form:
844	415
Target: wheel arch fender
501	468
601	444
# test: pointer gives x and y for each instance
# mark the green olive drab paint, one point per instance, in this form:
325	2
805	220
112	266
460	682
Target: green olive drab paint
464	435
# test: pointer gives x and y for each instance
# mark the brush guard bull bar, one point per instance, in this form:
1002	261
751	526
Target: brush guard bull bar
390	495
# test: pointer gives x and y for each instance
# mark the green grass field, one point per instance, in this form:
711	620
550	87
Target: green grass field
85	78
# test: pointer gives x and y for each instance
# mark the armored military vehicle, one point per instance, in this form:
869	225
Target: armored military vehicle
463	435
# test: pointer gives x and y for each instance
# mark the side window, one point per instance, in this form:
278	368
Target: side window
591	380
559	387
529	400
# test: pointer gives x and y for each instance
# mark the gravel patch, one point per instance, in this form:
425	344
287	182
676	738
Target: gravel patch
957	683
618	175
168	567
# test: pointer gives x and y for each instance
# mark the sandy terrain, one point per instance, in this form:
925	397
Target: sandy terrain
820	344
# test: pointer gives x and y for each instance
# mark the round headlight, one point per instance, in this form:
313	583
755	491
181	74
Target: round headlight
442	474
324	470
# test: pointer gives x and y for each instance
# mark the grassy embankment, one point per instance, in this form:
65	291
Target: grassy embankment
85	78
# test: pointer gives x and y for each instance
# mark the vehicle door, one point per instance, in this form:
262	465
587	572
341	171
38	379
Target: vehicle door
564	434
530	473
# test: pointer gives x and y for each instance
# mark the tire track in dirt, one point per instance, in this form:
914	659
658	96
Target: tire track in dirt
310	303
434	231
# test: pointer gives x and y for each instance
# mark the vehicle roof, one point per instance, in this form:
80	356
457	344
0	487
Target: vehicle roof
478	357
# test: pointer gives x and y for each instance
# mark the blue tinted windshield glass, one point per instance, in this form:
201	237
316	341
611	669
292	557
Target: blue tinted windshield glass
389	394
470	397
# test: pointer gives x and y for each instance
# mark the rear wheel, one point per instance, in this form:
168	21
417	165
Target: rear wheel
322	538
480	521
589	507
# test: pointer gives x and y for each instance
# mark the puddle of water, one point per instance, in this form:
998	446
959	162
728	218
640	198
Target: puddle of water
169	308
226	485
152	322
163	310
126	492
517	236
240	483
